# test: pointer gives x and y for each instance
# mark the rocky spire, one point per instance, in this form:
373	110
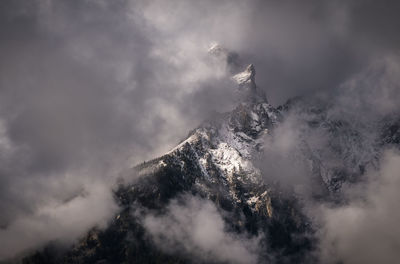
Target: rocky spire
246	79
247	85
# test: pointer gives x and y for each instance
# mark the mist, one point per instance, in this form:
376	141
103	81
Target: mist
365	230
194	226
91	88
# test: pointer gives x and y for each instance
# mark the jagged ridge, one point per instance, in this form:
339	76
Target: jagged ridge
216	162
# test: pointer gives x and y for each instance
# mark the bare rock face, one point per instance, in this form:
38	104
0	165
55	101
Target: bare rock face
247	89
247	77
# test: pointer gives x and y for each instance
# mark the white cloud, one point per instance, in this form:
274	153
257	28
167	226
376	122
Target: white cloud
367	229
195	227
59	221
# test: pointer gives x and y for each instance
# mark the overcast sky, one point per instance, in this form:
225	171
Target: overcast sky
88	88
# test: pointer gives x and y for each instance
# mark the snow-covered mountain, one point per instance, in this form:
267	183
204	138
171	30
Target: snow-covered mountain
221	161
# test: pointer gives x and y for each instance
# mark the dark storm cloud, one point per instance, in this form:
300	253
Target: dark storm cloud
88	88
316	45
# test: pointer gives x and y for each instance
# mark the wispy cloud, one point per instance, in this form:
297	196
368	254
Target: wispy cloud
194	227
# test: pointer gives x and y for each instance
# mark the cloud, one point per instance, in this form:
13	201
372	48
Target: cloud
286	145
372	93
89	88
195	227
58	221
341	128
365	230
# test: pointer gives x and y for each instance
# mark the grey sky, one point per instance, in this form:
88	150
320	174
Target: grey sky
88	88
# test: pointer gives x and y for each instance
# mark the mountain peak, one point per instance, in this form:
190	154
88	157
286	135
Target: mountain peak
246	77
247	85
